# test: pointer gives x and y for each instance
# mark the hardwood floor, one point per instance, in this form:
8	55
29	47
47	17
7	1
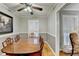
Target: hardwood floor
47	51
67	54
62	53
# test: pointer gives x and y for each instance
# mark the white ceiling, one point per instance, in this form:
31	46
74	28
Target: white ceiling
71	7
47	9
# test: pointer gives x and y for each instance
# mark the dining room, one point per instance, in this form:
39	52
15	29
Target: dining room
24	32
28	29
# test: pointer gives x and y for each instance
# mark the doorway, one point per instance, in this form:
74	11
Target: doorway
33	26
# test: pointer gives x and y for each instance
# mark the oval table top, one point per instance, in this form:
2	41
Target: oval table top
23	46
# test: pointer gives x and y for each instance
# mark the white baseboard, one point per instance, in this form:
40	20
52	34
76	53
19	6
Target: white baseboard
50	47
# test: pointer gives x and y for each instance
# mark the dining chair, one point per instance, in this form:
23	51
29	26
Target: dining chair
4	44
31	35
17	38
74	43
8	41
41	44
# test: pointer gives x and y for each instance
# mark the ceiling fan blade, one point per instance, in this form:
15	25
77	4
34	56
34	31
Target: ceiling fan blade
20	9
38	8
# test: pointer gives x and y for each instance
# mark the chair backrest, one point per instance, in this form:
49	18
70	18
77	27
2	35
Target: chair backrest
73	38
41	42
31	35
4	44
9	41
17	38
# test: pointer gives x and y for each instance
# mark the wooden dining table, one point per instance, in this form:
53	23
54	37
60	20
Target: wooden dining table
23	47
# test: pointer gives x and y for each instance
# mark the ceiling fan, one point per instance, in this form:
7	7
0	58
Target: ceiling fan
29	7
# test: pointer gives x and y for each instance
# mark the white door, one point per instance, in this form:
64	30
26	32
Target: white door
33	26
70	24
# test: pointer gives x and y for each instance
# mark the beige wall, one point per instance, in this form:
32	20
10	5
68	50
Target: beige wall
53	27
5	10
23	24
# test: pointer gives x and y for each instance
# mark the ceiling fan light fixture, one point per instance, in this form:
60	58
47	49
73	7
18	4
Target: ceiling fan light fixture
25	9
29	9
